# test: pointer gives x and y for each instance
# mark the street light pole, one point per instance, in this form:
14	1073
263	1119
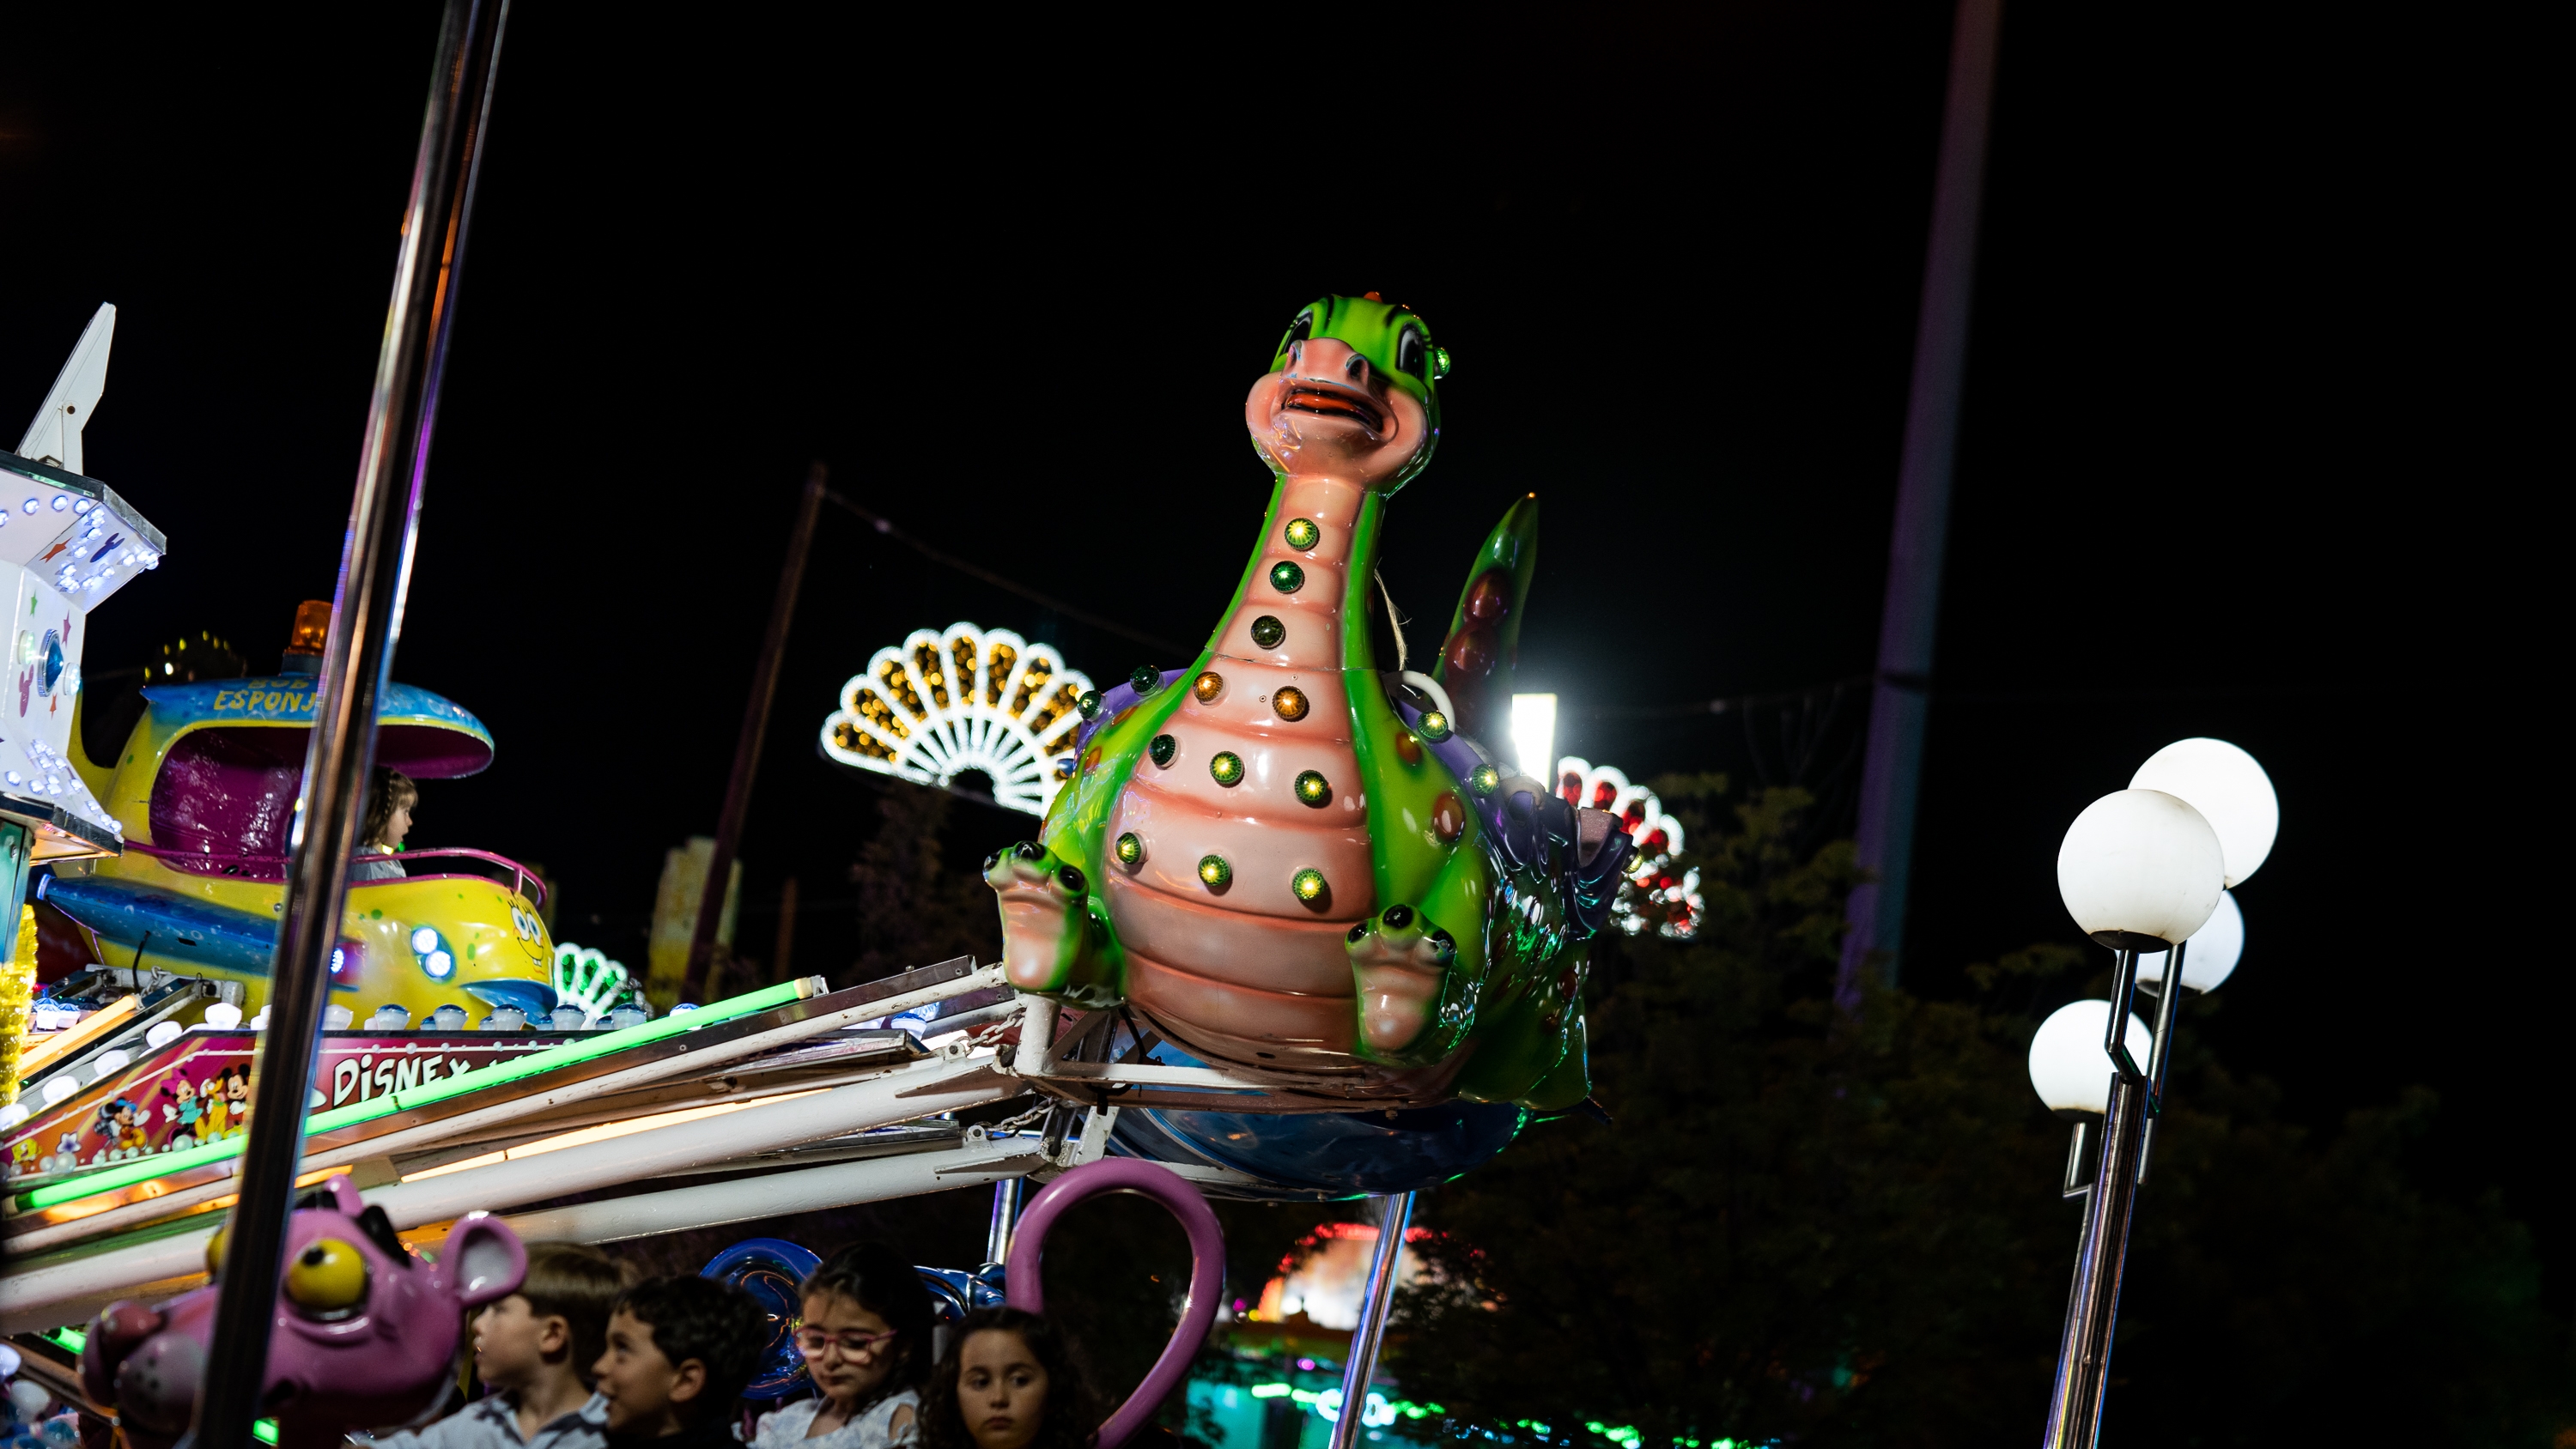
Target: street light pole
2144	868
2093	1308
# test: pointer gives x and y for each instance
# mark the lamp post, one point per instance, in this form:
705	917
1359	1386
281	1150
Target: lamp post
2145	871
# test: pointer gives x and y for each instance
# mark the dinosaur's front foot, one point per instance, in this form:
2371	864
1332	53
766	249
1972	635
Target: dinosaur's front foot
1398	960
1042	914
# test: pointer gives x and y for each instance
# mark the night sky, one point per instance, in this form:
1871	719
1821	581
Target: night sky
2238	455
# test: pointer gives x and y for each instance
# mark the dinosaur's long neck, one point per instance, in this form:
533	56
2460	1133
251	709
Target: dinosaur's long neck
1322	622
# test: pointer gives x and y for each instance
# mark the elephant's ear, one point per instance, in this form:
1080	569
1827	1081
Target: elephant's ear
482	1259
335	1193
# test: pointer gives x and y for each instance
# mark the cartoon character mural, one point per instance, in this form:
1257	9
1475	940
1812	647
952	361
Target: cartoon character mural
124	1134
184	1111
365	1335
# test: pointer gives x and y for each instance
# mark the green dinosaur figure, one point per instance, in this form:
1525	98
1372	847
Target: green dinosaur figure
1293	857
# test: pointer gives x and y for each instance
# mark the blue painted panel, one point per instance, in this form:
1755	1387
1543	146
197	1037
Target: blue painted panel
183	929
1347	1154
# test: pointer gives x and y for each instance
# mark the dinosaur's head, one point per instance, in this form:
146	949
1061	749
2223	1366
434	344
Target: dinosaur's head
1354	390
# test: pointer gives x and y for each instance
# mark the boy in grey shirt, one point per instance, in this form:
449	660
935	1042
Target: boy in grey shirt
535	1349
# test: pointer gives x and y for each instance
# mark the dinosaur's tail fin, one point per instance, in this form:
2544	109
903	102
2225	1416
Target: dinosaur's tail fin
1484	642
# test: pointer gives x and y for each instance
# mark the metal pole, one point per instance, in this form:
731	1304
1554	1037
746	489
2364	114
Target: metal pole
2084	1353
2168	1011
1394	1214
1006	1216
366	621
755	724
1892	766
2101	1257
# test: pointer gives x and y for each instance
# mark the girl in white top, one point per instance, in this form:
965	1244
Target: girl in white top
865	1334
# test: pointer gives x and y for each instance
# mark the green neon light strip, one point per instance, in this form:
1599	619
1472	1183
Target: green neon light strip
109	1179
71	1339
264	1430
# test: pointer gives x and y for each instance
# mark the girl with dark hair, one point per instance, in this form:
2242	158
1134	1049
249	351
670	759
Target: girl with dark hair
390	798
865	1333
1009	1382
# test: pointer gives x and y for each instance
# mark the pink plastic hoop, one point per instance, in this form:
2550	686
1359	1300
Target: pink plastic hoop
1207	1269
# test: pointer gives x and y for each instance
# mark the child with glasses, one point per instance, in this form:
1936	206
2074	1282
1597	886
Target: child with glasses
865	1334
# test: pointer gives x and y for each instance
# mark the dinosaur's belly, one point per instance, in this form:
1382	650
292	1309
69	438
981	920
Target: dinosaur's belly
1247	970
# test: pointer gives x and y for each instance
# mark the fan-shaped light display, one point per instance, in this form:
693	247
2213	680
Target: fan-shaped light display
2068	1067
964	699
2229	790
2139	869
589	980
1652	876
2214	950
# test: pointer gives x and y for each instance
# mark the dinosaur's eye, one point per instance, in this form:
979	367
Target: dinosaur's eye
328	1278
1412	354
1299	329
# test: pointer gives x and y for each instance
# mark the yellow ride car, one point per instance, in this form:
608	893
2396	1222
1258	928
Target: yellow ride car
206	789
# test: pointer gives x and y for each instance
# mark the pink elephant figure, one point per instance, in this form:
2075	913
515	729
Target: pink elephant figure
365	1335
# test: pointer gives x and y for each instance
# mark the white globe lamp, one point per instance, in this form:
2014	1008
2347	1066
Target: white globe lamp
2214	950
2140	870
2229	790
2068	1067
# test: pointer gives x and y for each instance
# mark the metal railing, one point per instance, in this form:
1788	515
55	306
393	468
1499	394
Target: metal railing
273	867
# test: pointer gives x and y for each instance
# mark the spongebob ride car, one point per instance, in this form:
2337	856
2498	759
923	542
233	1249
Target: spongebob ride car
206	789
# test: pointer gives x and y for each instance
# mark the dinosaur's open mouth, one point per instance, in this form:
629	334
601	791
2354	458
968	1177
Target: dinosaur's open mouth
1324	400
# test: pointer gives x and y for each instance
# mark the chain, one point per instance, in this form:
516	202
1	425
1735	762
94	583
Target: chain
958	1051
987	1131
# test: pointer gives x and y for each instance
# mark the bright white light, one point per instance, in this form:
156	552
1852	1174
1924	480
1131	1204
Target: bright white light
2068	1067
60	1087
2230	791
2214	950
1329	1404
424	940
1534	735
223	1016
1376	1412
334	1018
162	1034
2139	863
439	964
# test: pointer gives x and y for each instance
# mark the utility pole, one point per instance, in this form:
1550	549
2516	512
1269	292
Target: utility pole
1892	769
755	724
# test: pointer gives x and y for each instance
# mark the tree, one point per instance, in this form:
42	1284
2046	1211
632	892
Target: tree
914	909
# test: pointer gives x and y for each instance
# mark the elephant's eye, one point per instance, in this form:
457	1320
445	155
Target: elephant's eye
1412	354
328	1278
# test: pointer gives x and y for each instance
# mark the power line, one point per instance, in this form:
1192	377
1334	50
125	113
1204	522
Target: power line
886	526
